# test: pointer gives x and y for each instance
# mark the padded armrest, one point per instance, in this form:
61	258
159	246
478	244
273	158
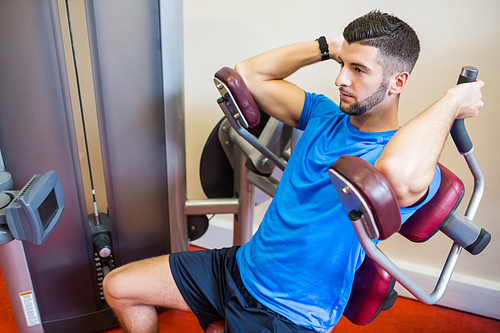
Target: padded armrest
429	219
374	188
241	111
239	91
424	223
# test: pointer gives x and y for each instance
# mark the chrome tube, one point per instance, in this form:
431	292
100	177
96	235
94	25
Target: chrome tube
212	206
248	136
478	190
268	185
243	222
381	259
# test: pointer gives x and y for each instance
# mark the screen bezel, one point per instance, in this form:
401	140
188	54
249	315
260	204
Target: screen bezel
23	215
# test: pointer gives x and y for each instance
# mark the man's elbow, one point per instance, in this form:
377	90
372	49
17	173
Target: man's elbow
408	188
408	197
252	79
239	67
243	68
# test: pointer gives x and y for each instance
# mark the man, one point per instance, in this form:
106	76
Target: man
296	273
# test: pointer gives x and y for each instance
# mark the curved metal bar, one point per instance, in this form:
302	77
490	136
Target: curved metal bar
478	191
248	136
380	258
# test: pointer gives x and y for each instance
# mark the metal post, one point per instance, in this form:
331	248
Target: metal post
173	104
17	276
243	222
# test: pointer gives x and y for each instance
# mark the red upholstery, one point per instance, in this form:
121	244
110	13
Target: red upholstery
372	292
376	191
240	92
217	327
427	220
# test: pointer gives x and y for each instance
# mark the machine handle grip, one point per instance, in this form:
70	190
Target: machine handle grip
458	131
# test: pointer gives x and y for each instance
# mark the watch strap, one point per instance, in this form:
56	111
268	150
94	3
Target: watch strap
323	47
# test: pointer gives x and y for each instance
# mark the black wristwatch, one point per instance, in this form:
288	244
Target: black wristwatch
323	47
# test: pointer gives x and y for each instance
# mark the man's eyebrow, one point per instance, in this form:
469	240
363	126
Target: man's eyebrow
355	64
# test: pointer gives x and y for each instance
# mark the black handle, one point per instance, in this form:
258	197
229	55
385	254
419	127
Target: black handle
458	131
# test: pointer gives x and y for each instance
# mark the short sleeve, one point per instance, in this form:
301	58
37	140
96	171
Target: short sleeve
317	105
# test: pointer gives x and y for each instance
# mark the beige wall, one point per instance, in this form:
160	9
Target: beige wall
453	34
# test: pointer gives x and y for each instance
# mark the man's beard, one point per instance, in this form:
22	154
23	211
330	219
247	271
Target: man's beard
368	103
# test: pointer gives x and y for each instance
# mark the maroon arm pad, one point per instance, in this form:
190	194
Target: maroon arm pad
375	190
428	219
241	94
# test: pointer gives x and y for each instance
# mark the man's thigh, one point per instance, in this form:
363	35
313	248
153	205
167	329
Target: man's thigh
205	279
148	281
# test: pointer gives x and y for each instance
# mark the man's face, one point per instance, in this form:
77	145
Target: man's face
361	81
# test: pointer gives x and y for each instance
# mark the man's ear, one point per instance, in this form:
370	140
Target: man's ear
399	82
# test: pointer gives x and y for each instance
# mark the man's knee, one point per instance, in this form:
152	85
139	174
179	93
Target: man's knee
116	286
146	281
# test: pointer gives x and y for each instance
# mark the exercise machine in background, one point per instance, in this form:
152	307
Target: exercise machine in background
112	70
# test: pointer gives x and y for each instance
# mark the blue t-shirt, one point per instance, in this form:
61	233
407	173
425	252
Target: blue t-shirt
301	261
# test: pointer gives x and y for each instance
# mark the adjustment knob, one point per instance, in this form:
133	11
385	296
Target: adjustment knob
102	245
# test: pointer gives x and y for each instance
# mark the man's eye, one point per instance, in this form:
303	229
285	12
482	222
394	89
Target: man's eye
359	70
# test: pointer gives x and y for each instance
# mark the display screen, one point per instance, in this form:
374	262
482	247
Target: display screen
48	209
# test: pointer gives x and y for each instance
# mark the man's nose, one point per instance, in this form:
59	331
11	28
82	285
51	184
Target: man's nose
343	80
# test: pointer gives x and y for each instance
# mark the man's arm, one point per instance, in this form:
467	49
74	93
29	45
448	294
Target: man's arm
265	76
409	159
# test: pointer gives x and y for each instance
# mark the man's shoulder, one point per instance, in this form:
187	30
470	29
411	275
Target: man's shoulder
320	105
319	98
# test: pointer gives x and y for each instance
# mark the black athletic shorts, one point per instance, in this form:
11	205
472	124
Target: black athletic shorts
210	283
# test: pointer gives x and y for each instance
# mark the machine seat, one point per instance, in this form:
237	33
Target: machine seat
372	292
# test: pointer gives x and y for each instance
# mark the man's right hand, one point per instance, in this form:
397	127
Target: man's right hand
468	98
334	45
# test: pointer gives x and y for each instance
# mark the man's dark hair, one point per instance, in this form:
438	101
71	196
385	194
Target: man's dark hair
397	42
